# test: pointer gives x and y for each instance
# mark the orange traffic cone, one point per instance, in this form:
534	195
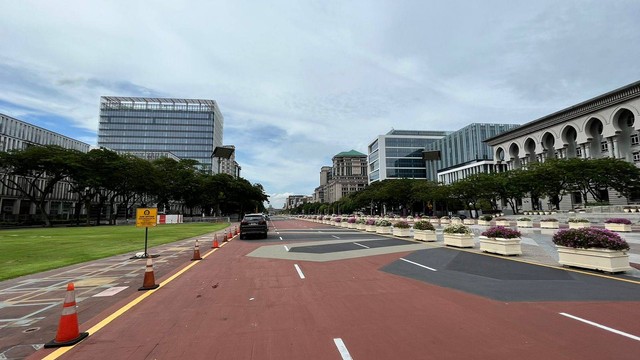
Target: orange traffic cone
196	252
224	239
230	235
215	242
149	282
236	233
68	331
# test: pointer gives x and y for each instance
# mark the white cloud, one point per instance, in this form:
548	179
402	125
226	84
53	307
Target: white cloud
301	81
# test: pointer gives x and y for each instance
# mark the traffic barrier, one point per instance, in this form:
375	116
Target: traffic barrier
68	330
196	252
149	282
215	244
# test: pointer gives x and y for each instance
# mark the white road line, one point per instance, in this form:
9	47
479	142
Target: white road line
342	349
299	271
415	263
335	237
364	246
280	237
637	338
286	248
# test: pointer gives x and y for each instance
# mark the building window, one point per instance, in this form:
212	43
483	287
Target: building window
604	146
636	156
579	152
634	139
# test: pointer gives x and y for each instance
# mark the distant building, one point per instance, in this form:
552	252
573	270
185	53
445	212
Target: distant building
347	175
294	201
187	128
398	154
224	162
462	153
17	134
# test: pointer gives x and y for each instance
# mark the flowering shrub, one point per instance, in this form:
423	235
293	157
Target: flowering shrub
455	218
402	225
361	221
370	222
486	217
445	217
338	219
351	220
423	225
383	223
409	217
618	221
578	220
524	219
320	217
501	232
590	238
549	220
457	229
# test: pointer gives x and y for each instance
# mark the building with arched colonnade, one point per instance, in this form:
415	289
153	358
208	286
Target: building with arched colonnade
605	126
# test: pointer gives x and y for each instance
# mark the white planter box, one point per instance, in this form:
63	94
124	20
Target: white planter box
579	225
618	227
370	228
502	223
524	224
593	258
383	229
459	240
549	224
484	223
500	246
361	226
401	232
444	221
469	221
424	235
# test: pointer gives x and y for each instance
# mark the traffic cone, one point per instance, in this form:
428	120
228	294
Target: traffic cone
196	252
215	242
224	239
236	233
230	235
149	282
68	331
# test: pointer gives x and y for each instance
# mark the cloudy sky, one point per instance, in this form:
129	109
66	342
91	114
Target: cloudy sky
299	81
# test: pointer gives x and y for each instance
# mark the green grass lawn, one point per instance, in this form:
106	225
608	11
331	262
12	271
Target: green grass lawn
28	251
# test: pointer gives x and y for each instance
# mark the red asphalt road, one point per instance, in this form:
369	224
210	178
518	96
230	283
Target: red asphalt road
230	306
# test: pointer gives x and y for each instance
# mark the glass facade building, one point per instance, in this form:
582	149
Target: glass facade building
398	154
187	128
461	149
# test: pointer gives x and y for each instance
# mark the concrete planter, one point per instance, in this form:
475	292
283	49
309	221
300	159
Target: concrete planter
595	259
524	224
469	221
444	221
459	240
503	223
370	228
549	225
361	226
618	227
484	223
383	229
579	225
424	235
401	232
500	246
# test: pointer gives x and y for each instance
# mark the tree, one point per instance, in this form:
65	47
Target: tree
35	171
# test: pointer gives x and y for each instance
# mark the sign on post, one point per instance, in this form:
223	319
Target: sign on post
146	217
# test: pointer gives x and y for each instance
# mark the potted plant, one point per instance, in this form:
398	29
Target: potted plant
458	235
337	221
444	220
402	229
485	220
524	222
578	223
456	220
351	222
501	221
549	223
360	224
592	248
424	231
370	225
618	224
501	240
383	227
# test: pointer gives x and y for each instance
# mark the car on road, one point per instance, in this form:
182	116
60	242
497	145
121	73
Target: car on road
253	224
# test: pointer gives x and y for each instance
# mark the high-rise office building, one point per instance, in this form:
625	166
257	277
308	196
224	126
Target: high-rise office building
398	154
186	128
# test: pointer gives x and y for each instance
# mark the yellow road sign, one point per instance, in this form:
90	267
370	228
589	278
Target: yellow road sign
146	217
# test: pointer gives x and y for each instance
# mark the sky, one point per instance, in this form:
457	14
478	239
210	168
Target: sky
300	81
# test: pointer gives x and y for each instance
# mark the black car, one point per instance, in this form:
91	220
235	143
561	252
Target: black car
253	224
